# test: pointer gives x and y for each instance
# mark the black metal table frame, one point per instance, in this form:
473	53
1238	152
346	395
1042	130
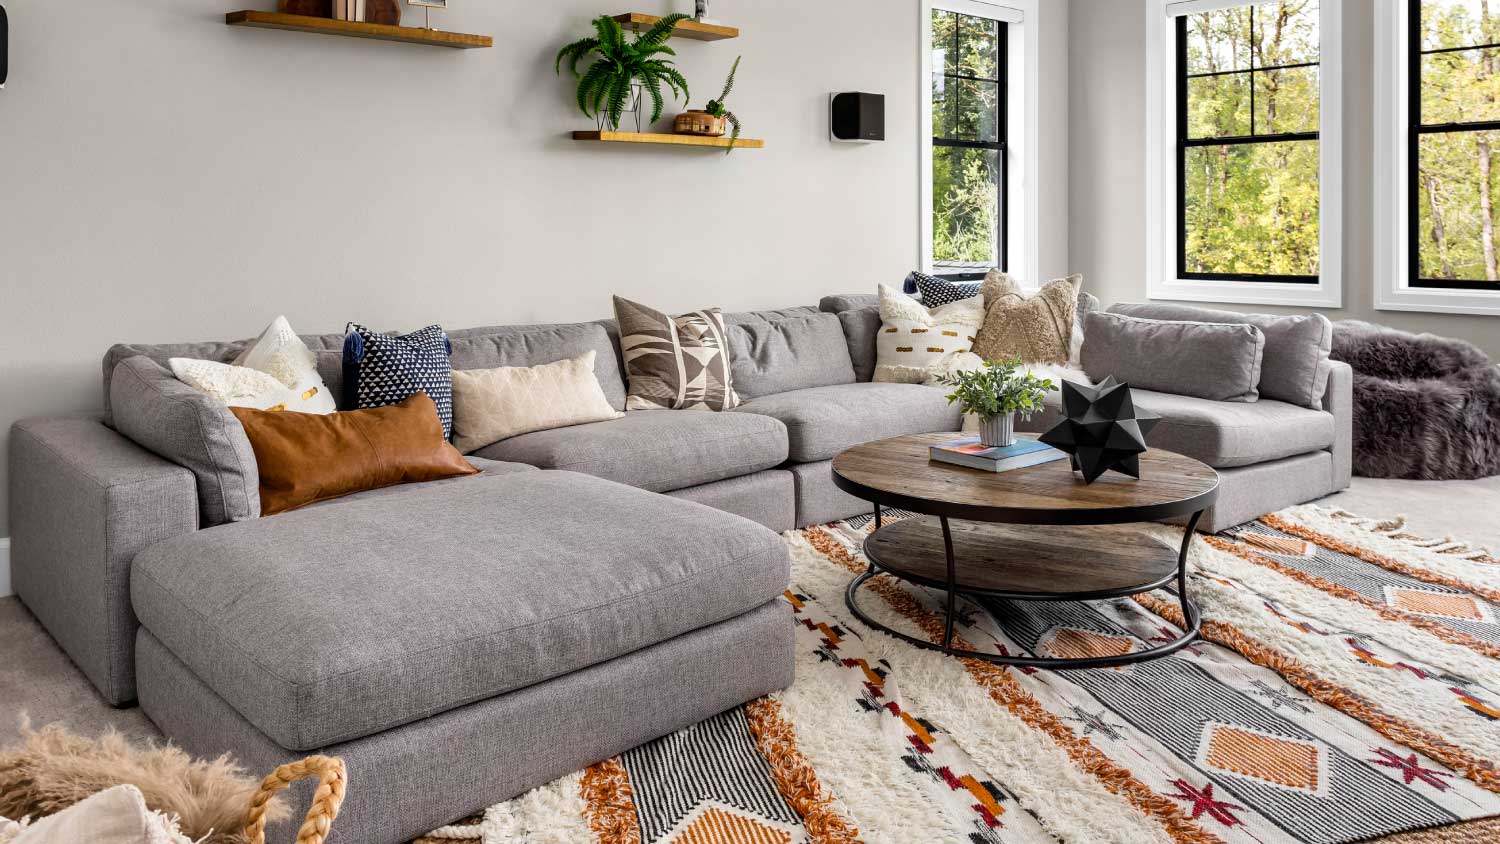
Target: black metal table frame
1194	508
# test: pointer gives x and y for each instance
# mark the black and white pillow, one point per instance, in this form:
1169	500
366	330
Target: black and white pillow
383	369
936	292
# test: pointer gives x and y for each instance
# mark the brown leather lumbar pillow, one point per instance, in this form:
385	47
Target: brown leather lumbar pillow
306	458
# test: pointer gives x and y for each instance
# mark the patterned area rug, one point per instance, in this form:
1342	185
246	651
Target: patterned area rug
1347	689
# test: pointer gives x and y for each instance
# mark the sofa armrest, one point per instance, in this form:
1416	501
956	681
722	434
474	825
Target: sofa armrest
1338	399
84	500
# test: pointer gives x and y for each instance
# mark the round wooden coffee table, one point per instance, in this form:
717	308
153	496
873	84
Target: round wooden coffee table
1035	534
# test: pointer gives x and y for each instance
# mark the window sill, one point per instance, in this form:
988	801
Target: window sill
1320	295
1438	301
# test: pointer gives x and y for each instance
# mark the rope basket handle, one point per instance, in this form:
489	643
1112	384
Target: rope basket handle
325	803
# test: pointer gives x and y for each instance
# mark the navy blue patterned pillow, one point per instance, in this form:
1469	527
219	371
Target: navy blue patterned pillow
382	369
937	292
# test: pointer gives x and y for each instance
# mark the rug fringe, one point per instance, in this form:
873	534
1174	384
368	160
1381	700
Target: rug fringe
1395	528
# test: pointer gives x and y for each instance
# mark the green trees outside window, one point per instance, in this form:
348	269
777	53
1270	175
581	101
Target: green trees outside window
968	142
1248	149
1455	134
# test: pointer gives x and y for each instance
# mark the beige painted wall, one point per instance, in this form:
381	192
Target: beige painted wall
1107	210
165	177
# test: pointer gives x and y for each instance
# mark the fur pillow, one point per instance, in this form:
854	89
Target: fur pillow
915	343
1037	329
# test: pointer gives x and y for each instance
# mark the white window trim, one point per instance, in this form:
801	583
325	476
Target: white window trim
1023	81
1392	235
1161	168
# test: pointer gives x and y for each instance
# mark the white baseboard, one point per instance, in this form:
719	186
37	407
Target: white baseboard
4	566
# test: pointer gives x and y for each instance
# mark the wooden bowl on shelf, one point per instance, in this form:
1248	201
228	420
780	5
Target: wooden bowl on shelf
697	122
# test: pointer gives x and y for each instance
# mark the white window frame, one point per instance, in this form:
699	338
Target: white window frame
1162	281
1022	90
1392	236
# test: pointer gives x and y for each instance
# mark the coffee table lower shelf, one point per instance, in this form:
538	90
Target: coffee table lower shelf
1027	563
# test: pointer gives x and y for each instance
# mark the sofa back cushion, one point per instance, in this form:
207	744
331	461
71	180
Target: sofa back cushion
193	430
1297	347
774	315
1215	361
534	345
473	348
807	350
327	349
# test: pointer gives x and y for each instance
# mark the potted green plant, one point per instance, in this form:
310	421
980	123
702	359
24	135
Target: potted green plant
711	119
996	392
625	71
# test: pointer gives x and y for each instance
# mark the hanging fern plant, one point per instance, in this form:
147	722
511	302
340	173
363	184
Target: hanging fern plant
718	109
604	90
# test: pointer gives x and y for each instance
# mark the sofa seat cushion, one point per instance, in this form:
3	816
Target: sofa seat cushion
823	421
1229	434
657	450
325	625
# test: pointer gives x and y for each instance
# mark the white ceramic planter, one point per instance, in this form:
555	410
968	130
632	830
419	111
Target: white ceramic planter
998	431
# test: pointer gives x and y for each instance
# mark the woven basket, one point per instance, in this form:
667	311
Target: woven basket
326	801
699	123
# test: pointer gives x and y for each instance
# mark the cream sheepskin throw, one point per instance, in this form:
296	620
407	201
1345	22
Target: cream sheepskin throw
114	816
53	769
916	344
1038	329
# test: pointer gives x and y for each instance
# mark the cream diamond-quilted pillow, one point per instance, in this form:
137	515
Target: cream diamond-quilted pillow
490	405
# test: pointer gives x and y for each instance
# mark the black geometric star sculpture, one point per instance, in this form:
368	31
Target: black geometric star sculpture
1102	429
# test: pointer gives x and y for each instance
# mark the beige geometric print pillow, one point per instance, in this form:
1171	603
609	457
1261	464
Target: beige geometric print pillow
1038	329
490	405
916	342
675	363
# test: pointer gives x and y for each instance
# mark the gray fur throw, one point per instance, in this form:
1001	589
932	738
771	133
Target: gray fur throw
1425	407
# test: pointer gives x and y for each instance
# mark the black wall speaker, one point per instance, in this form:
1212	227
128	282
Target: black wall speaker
857	118
4	45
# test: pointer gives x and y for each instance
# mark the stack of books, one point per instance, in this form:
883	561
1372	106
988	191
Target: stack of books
971	453
348	10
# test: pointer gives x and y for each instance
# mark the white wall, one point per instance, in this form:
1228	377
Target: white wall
1107	210
166	177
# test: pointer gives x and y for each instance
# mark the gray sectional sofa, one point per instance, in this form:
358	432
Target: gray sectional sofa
593	588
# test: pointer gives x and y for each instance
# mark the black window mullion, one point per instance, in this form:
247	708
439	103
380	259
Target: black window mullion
1002	195
1182	147
1413	145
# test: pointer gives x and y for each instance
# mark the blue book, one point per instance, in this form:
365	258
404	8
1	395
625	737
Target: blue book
971	453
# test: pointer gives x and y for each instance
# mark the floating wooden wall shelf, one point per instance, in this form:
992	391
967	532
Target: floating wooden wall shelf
668	140
691	29
358	29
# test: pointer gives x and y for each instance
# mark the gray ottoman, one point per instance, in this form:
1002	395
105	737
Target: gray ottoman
458	644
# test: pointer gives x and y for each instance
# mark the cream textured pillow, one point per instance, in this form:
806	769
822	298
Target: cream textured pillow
280	353
915	342
490	405
1037	329
276	372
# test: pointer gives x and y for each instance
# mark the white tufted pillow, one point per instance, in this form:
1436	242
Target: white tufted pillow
916	343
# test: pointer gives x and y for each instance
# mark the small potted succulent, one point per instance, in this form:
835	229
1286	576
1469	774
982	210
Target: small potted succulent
995	393
711	119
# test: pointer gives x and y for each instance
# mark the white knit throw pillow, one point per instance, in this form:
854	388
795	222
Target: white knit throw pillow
916	343
276	372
